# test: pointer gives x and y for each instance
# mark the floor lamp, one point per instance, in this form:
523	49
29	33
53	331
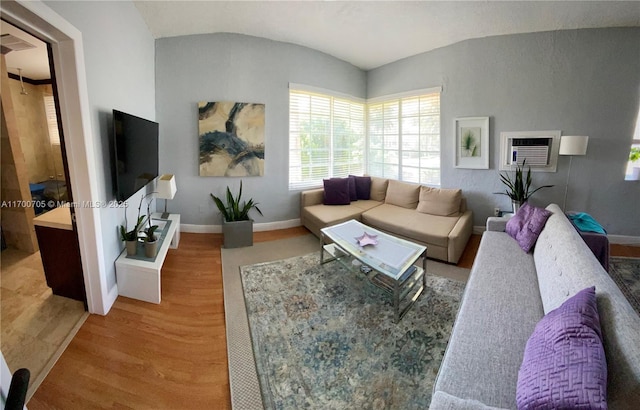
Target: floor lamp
166	189
572	145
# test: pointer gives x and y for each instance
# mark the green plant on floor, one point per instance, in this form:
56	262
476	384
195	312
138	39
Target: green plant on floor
518	188
234	209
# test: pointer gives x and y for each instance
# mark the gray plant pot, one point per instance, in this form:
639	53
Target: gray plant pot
132	247
515	205
151	249
237	234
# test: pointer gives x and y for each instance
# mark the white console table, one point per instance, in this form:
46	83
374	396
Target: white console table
140	279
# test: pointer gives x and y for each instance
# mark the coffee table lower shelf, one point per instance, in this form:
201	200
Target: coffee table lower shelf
404	291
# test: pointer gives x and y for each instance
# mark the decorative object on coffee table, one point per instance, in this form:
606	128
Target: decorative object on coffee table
367	239
237	227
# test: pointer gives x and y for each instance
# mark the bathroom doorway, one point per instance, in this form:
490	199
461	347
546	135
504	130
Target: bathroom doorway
36	323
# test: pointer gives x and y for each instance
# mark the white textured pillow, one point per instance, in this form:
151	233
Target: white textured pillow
437	201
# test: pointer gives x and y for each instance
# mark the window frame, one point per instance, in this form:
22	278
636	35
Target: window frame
401	170
299	182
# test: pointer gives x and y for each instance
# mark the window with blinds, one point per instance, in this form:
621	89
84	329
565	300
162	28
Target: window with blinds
52	119
404	138
326	138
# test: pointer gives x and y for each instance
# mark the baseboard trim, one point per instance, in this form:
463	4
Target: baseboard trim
624	240
257	227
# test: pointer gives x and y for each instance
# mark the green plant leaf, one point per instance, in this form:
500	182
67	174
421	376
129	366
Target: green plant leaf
234	209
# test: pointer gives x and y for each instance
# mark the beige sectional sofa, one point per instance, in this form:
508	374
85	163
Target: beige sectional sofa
437	218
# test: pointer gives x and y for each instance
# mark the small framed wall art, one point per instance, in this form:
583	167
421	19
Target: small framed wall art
472	142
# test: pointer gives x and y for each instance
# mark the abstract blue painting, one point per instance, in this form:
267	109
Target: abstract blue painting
231	139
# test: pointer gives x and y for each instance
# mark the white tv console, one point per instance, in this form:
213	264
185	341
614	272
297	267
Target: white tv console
140	278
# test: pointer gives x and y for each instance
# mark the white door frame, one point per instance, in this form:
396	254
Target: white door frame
68	56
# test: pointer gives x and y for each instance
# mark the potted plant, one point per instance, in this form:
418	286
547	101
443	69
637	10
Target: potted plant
131	237
518	188
237	227
150	241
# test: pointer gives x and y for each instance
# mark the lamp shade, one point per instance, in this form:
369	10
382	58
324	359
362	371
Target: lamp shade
166	187
573	145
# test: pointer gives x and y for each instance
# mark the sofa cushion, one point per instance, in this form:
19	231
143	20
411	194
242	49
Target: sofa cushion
405	222
336	191
365	204
378	188
402	194
443	202
363	187
564	364
499	310
321	215
525	226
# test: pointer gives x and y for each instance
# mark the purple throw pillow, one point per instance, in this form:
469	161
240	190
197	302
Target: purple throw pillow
353	195
564	364
336	191
525	226
363	186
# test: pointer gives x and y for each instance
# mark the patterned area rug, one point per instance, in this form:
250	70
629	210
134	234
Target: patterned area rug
323	337
626	273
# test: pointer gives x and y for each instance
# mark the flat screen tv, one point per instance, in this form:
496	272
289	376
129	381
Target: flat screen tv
135	153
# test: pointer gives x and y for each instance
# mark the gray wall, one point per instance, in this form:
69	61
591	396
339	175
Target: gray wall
582	82
233	67
119	59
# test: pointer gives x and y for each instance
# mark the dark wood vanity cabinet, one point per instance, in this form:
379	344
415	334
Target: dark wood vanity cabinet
60	254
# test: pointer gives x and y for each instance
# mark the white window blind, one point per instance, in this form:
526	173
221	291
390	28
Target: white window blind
52	119
404	138
326	138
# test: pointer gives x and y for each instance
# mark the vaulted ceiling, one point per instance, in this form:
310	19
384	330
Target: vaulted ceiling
369	34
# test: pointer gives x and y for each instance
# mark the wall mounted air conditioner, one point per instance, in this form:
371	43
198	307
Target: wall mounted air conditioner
538	148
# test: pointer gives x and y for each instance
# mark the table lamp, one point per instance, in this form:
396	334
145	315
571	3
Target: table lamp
572	145
166	189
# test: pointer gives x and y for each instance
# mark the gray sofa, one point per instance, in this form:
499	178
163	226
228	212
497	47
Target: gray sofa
437	218
508	292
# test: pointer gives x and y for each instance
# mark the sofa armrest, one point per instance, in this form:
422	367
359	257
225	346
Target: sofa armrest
497	224
459	236
311	197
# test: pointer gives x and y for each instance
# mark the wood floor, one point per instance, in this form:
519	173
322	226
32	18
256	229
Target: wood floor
167	356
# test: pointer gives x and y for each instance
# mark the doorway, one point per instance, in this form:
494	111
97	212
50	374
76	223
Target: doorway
36	324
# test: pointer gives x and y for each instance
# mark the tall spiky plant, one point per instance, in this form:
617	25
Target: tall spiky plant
234	210
518	188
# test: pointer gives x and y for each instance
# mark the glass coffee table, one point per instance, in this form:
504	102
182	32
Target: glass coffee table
387	261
